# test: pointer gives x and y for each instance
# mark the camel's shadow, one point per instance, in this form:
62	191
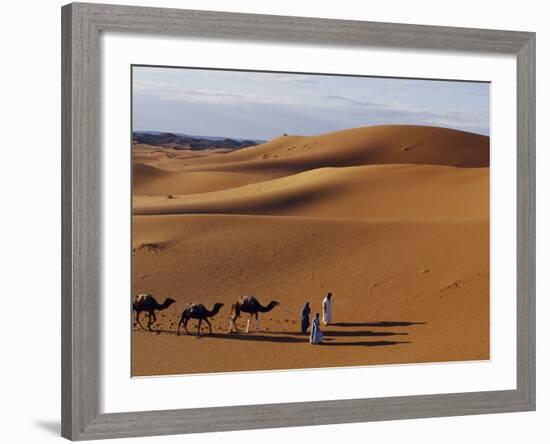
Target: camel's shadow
260	337
294	339
298	337
287	337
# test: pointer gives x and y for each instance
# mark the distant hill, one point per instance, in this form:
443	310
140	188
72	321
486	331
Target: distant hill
185	141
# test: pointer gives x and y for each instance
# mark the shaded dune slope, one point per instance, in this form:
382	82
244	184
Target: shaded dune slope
151	180
374	172
379	191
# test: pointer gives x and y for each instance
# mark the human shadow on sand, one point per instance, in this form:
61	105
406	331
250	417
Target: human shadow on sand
377	324
344	333
365	343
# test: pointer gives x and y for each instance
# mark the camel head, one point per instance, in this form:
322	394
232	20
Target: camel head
217	307
273	304
167	302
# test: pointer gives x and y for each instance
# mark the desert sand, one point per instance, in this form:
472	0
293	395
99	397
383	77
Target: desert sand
393	220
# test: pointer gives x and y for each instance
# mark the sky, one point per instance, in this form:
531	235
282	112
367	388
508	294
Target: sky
258	105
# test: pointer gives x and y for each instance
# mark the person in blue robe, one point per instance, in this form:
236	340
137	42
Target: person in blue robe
316	336
304	318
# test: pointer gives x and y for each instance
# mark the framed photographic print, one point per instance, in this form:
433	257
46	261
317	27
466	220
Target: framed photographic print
302	215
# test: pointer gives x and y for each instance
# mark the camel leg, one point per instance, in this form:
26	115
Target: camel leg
152	319
138	320
150	322
257	322
199	327
209	324
233	325
185	326
248	325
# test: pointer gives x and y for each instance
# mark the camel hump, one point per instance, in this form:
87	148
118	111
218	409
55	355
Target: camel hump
142	297
248	299
194	307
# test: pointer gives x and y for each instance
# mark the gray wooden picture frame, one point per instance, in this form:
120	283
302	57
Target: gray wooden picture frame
81	232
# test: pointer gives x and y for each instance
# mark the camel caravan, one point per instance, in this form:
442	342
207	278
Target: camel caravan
246	304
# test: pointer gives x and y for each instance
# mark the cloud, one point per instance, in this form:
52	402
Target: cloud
475	120
225	97
170	92
321	106
359	101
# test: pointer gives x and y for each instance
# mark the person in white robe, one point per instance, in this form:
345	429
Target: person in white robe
327	309
316	335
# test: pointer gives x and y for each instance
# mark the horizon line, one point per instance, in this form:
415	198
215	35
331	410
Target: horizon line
179	132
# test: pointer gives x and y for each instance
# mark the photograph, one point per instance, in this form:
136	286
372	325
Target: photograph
293	221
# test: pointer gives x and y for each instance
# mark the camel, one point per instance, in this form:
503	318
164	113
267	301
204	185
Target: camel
249	304
147	303
200	312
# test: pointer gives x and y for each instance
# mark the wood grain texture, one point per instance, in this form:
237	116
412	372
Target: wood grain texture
526	222
259	27
81	230
81	222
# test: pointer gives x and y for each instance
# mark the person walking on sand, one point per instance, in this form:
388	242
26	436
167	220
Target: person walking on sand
304	318
316	335
327	309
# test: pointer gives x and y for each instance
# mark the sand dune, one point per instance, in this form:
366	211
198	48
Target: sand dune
168	158
289	155
379	191
149	180
393	220
360	146
435	273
